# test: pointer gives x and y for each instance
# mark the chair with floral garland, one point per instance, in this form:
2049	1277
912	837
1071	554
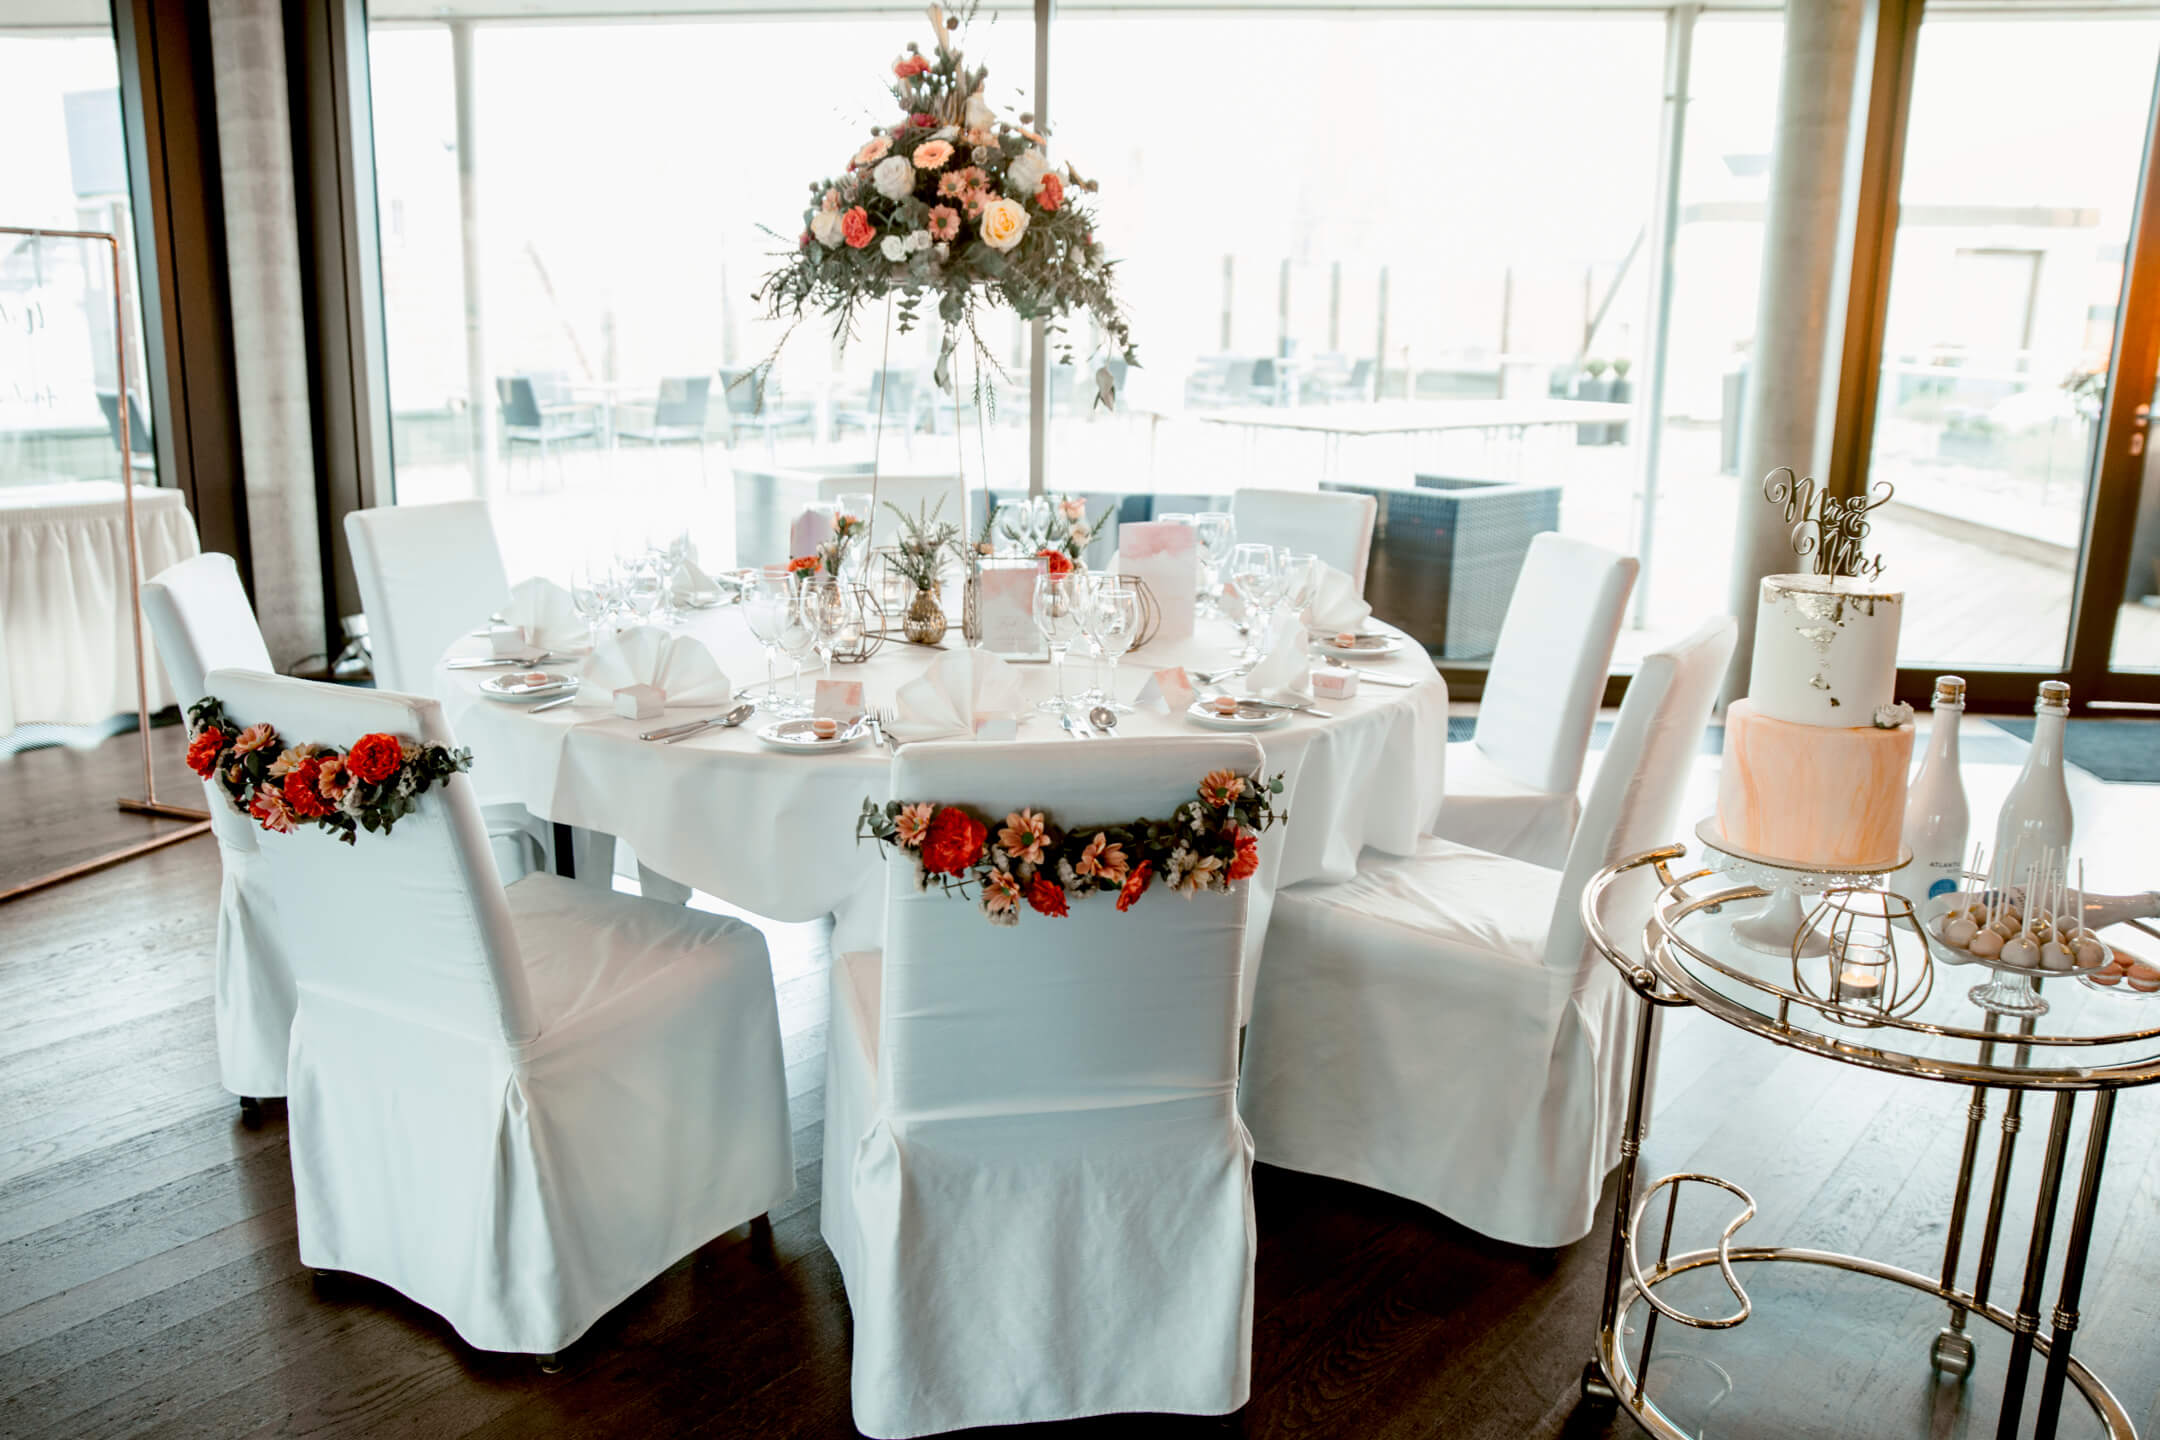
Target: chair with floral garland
201	621
1036	1181
513	1105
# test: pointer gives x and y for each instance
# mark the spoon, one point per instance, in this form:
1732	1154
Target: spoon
673	733
1103	718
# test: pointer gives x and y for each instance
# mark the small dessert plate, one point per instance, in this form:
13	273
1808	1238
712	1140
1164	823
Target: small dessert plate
522	687
1248	717
800	736
1361	647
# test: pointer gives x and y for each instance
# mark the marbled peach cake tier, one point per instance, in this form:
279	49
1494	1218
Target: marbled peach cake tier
1812	794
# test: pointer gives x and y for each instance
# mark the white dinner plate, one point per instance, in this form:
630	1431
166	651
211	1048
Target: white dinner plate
800	737
1249	717
1363	647
522	687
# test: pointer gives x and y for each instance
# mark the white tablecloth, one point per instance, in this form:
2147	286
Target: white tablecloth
775	833
67	649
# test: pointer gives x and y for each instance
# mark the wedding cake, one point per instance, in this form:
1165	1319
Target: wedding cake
1816	755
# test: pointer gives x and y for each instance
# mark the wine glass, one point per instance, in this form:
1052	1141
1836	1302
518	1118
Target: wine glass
825	609
767	596
1115	619
589	596
1299	577
1059	600
797	637
1253	576
643	586
1218	532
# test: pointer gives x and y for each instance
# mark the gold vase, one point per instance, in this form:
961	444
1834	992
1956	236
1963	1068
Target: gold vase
924	622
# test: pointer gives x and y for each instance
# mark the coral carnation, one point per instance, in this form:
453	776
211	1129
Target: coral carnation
1058	562
1135	884
203	752
375	758
954	842
1247	859
1045	896
856	229
1052	193
302	789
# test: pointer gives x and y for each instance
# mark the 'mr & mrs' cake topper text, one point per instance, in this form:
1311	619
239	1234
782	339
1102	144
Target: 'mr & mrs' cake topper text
1827	531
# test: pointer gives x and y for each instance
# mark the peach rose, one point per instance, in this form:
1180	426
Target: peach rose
1003	224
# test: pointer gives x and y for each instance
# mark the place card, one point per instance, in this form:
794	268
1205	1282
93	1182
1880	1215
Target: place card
1167	692
1165	554
640	702
1006	603
507	640
839	700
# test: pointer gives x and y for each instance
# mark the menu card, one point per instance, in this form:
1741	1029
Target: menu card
1007	607
1166	555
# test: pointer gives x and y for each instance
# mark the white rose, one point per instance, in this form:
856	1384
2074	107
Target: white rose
944	251
919	240
893	247
979	115
825	225
1025	175
894	177
1002	223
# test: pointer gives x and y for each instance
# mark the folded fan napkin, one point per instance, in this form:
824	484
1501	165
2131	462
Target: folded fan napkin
648	655
944	702
1336	605
547	615
1284	665
693	585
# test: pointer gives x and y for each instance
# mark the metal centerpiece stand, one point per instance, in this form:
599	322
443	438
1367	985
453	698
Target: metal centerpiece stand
197	821
1901	1025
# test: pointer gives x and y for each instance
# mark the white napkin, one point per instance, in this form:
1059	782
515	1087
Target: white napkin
1284	665
648	655
944	702
1336	605
693	584
544	610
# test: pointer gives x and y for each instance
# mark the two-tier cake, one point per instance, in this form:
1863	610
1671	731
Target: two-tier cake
1816	755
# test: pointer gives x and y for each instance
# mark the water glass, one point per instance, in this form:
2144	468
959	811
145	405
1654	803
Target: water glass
1253	576
825	610
1298	576
1218	532
589	596
768	595
797	638
1114	623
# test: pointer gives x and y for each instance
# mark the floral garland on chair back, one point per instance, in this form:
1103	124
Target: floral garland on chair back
953	202
369	786
1212	842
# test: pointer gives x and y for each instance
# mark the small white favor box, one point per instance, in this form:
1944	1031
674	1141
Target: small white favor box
1334	683
640	702
507	639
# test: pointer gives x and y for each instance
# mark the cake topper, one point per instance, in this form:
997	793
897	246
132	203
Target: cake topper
1827	530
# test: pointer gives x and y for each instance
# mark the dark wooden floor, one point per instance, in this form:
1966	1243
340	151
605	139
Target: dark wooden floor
149	1282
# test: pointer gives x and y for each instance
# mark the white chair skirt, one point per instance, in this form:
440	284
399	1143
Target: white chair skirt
523	1193
974	1261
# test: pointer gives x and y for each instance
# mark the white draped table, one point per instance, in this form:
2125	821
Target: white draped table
67	647
774	833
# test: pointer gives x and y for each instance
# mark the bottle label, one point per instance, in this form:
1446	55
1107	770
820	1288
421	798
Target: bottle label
1944	886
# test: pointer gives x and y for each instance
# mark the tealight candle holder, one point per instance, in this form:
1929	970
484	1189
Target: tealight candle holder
1861	978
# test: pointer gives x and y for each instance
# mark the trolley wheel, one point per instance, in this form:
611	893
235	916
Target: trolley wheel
1595	1389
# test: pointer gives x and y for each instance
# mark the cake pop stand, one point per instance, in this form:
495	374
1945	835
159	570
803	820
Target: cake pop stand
2011	992
1775	927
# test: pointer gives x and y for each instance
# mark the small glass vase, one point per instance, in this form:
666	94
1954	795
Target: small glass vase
924	622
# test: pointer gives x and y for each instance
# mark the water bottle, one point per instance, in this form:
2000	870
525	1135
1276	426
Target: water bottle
1936	816
2036	816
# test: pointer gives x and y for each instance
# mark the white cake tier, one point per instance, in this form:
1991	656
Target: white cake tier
1825	649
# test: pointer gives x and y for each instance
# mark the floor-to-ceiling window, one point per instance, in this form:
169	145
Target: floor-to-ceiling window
63	166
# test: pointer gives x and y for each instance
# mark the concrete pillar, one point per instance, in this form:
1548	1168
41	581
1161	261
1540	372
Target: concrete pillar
270	363
1793	316
481	417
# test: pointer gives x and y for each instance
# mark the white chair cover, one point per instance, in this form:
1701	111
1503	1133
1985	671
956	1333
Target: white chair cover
201	621
1440	1028
1332	524
1512	787
427	575
1036	1182
514	1106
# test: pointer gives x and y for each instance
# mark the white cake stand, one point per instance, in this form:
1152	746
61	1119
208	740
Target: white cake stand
1773	928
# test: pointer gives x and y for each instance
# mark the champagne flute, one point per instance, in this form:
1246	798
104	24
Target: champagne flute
1059	600
643	588
1116	624
1253	577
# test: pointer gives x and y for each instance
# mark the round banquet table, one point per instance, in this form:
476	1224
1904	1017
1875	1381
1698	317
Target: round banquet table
774	833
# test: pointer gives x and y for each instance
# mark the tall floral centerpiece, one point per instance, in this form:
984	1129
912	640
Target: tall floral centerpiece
952	205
